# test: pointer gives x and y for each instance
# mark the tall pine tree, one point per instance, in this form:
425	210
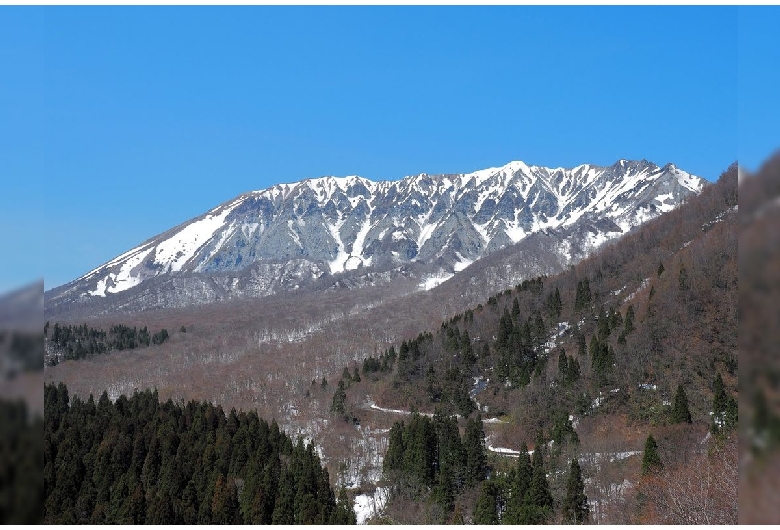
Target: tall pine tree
680	411
575	504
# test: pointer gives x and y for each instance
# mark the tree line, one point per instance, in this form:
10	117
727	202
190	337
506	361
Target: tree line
77	342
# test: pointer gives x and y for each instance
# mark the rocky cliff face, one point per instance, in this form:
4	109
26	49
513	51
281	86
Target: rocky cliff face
291	236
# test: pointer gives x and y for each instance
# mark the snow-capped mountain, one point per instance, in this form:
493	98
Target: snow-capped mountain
271	240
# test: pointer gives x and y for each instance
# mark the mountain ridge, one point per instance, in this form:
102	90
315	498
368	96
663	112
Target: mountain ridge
332	225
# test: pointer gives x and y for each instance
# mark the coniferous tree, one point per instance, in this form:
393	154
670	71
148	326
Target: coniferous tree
651	461
541	501
660	269
573	373
339	400
563	367
575	504
485	511
680	411
474	448
519	490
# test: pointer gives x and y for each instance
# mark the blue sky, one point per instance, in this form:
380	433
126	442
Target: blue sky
133	120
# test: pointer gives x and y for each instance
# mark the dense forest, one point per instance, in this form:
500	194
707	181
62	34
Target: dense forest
645	329
70	342
21	449
139	461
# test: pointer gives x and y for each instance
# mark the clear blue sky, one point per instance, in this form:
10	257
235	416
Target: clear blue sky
132	120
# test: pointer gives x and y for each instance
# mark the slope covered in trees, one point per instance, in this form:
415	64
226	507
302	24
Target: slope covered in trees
141	461
69	342
645	329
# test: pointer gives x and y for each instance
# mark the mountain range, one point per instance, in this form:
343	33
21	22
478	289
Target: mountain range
430	227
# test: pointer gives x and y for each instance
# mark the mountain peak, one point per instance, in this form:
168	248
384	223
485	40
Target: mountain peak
330	224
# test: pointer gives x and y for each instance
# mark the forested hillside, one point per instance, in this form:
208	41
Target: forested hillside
137	461
642	336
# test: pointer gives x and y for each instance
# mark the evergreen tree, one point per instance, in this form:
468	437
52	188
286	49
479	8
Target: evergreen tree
284	509
474	448
651	461
519	490
575	504
563	366
485	511
339	400
394	457
573	373
680	411
660	269
541	499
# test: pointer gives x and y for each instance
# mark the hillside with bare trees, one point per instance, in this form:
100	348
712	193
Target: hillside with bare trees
587	363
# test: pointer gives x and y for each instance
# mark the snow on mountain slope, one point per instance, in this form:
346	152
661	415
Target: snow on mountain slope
339	224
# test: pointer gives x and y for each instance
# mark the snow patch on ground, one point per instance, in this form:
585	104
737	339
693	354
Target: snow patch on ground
644	284
432	281
177	250
504	451
368	506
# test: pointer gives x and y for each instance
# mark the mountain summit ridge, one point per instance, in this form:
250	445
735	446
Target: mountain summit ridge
329	225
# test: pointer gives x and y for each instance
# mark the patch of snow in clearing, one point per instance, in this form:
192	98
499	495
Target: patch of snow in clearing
514	231
352	263
493	420
462	264
597	402
503	451
644	284
368	506
623	455
432	281
648	386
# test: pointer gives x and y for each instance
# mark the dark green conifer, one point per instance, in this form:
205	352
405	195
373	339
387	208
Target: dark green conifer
474	448
680	411
485	510
575	504
651	461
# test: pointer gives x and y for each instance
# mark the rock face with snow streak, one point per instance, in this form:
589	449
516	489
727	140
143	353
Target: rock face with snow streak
282	237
